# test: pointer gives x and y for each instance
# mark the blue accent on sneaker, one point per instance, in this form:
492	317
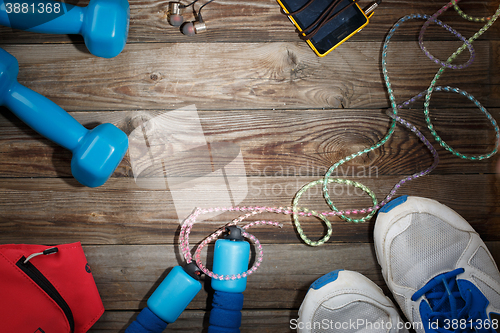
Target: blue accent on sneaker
453	305
393	203
325	279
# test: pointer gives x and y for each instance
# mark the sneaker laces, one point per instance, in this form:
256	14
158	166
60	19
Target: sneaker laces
448	304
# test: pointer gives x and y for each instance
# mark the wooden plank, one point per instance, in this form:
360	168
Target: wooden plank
119	212
495	65
125	286
127	275
291	114
272	143
261	21
193	321
270	320
241	76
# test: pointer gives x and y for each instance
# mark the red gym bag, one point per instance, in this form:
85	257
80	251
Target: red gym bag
47	289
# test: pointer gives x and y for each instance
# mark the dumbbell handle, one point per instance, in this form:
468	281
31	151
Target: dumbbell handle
44	116
68	23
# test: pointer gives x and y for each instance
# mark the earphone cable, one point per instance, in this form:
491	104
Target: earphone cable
186	6
199	10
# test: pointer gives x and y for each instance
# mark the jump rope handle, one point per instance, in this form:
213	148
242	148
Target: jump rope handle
231	257
181	285
168	301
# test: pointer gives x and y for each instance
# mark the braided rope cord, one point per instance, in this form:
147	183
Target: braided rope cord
464	93
395	108
296	211
468	17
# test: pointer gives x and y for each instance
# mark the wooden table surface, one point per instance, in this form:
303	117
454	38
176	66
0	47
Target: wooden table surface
272	117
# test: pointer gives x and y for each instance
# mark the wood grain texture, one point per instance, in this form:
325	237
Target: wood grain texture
243	76
261	20
272	143
195	321
123	286
120	212
272	320
271	117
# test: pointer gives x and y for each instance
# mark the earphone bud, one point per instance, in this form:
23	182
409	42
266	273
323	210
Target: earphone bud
174	14
195	27
176	19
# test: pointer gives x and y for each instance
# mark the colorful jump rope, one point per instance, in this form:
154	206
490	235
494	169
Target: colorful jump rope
296	211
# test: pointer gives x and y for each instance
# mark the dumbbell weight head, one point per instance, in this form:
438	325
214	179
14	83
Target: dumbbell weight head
105	27
103	23
98	155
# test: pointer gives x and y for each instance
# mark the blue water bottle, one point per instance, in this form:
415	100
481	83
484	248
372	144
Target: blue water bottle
168	301
231	256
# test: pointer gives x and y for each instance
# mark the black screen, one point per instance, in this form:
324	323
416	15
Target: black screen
334	31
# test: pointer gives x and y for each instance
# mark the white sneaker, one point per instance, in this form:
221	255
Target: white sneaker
346	301
439	270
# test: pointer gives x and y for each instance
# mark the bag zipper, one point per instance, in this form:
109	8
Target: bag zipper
30	270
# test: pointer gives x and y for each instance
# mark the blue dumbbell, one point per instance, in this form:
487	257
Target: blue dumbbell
103	23
96	153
